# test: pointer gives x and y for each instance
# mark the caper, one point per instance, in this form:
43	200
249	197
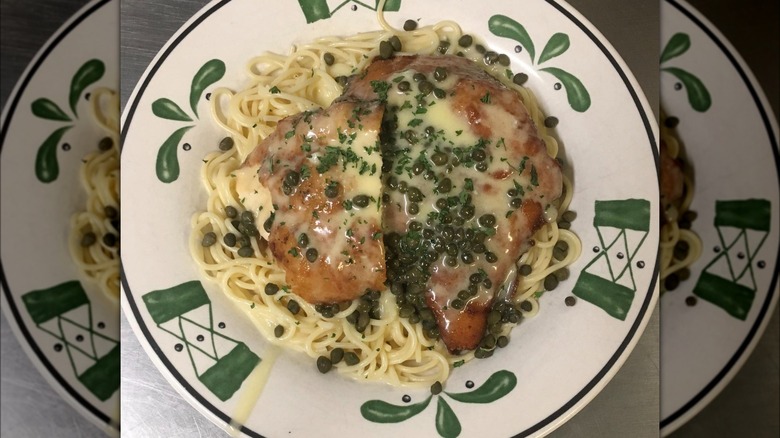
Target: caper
503	59
385	50
336	355
440	74
502	341
486	283
226	144
480	49
487	220
110	212
404	86
465	41
209	239
493	317
525	270
436	388
457	304
229	239
444	186
562	274
292	178
491	257
467	258
413	209
417	77
395	42
303	240
342	80
439	158
246	251
279	331
332	189
361	201
482	166
550	282
362	322
425	87
488	342
271	288
293	307
231	211
443	47
520	78
328	58
351	358
478	155
410	25
551	122
312	254
491	57
324	364
564	225
88	239
105	143
569	216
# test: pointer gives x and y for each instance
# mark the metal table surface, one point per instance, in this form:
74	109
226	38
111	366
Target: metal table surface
30	406
749	405
628	406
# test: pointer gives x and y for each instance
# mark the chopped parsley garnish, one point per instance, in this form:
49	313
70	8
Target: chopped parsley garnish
534	176
293	252
485	98
289	134
380	88
415	122
275	90
458	363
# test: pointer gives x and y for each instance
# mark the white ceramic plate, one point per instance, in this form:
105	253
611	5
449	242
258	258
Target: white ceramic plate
67	326
731	138
556	363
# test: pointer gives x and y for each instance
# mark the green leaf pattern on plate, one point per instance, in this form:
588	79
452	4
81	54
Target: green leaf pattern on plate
167	165
503	26
447	424
557	44
315	10
678	44
46	109
88	74
498	385
46	167
211	72
379	411
167	109
698	96
576	92
167	160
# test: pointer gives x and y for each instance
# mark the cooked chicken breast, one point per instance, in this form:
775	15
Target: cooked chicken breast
319	173
672	182
464	166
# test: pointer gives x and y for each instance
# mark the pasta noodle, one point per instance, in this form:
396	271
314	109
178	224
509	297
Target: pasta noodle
391	349
679	246
93	241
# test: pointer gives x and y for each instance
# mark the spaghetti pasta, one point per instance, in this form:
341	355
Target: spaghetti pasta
93	240
679	246
391	349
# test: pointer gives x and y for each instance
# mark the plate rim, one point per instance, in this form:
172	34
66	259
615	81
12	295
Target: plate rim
704	396
549	423
32	350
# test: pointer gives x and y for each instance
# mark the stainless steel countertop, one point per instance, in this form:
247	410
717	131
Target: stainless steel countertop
628	406
749	405
30	406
